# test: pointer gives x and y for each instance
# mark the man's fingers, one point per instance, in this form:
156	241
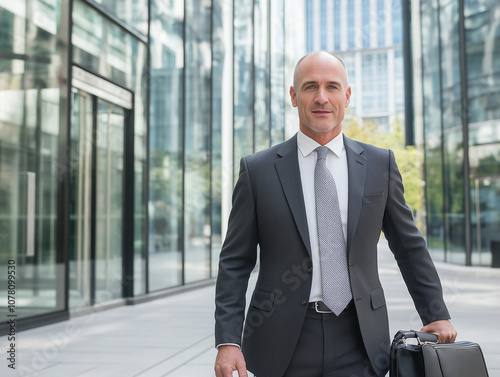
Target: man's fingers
443	329
227	371
447	337
229	358
242	372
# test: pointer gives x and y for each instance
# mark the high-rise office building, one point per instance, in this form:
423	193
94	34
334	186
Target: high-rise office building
456	59
367	35
120	124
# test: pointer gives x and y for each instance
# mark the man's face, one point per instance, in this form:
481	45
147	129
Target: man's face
321	94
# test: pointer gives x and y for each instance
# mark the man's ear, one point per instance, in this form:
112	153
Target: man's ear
293	96
348	96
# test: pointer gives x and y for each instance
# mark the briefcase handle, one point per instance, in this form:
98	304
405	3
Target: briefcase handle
422	337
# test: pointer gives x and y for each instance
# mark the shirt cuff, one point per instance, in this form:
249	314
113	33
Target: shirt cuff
227	344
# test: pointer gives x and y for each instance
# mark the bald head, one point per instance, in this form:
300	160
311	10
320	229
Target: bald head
317	55
320	93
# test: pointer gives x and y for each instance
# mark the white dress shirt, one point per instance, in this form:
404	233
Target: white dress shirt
336	162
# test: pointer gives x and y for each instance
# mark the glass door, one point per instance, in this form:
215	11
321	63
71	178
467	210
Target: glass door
109	198
97	155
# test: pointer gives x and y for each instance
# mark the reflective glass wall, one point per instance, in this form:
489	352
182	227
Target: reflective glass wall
213	66
109	134
118	155
31	77
165	144
482	31
259	76
197	140
221	68
368	36
461	128
243	81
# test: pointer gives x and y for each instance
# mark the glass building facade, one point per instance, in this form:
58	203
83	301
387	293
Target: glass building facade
121	128
459	122
367	35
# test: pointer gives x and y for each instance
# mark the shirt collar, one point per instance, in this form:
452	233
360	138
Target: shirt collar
307	145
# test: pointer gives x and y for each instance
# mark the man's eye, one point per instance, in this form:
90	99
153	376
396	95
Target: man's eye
309	87
332	87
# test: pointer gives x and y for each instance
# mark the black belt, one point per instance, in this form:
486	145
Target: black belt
320	307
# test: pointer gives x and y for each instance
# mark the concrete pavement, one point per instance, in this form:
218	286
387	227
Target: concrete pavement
173	336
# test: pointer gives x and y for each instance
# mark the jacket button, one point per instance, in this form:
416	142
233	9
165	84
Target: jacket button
310	269
304	301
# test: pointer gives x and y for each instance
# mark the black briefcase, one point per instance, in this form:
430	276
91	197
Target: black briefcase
425	357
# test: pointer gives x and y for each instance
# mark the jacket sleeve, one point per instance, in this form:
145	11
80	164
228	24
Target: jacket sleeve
411	253
237	260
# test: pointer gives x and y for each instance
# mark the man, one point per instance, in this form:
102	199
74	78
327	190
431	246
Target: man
309	315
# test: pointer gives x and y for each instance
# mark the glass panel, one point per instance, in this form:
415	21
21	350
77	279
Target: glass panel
165	143
431	87
452	125
30	79
381	21
336	24
243	83
219	30
197	141
399	99
278	86
309	25
351	26
485	216
261	76
374	85
483	90
140	172
133	12
365	21
109	201
431	84
434	197
140	224
397	22
323	25
454	196
105	48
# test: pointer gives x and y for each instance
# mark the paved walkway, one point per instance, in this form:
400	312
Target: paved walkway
173	336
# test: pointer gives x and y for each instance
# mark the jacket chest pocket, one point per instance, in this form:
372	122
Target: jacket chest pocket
373	198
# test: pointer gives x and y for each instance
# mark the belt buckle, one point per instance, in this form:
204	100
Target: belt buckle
321	311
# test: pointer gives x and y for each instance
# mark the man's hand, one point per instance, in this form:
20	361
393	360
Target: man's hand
443	329
229	358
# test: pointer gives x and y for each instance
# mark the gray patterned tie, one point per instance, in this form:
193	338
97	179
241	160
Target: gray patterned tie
332	250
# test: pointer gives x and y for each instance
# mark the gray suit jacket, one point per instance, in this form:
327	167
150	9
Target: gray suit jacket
268	210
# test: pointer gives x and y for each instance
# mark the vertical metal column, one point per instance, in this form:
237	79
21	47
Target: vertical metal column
408	74
128	203
63	194
465	133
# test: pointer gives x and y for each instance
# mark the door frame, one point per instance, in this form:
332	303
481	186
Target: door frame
100	88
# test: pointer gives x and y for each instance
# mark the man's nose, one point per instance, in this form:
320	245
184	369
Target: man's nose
321	96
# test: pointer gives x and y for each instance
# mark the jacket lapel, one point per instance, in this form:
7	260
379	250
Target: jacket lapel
356	165
287	167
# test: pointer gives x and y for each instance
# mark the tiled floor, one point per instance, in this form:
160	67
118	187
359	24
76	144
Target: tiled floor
173	336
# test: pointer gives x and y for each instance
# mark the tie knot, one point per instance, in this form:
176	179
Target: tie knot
322	152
